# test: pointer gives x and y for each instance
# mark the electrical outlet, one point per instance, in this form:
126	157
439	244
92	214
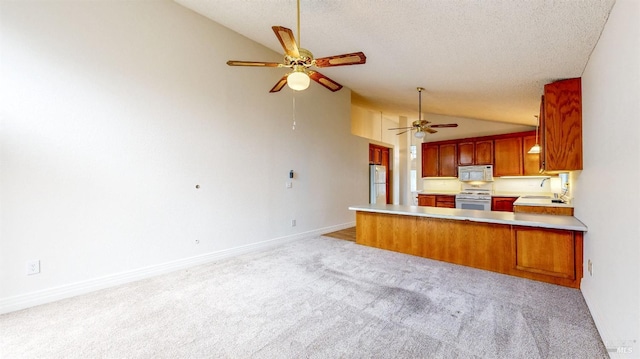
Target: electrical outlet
293	223
590	267
289	184
33	267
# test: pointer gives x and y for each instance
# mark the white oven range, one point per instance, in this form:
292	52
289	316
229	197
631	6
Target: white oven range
475	196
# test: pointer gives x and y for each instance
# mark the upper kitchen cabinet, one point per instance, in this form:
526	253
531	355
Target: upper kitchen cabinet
475	153
561	126
448	160
508	156
439	160
466	153
484	152
429	160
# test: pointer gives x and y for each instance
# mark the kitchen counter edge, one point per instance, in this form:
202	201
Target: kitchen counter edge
509	218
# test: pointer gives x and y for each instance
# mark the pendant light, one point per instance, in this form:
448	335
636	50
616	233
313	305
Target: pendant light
420	134
536	148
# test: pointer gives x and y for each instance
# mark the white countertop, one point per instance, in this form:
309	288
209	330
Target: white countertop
540	202
509	218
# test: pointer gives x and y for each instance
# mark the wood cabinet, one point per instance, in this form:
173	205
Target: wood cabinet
560	211
508	157
448	160
432	200
426	200
561	126
439	160
547	255
484	152
548	252
430	160
502	204
466	153
505	152
475	153
531	162
446	201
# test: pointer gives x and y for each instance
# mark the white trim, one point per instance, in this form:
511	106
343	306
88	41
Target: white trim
49	295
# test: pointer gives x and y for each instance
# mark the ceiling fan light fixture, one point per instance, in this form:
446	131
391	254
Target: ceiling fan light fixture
298	80
420	134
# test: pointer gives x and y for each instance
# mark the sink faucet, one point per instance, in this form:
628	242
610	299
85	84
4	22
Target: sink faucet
542	183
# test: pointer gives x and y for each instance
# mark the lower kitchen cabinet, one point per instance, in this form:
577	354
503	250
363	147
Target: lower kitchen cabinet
432	200
426	200
446	201
547	255
548	252
502	204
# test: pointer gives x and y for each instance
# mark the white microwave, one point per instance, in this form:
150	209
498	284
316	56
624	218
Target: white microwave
475	173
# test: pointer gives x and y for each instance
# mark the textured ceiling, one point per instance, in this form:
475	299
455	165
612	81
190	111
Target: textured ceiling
477	59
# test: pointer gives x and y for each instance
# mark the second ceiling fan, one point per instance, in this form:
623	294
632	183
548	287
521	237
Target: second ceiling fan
422	126
301	60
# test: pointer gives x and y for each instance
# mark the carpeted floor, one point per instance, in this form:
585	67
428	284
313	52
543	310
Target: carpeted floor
314	298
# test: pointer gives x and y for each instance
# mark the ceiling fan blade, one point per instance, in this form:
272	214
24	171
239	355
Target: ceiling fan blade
399	133
280	84
445	125
400	128
288	42
252	63
355	58
324	81
429	129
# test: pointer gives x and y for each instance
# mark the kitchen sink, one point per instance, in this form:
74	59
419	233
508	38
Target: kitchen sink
537	197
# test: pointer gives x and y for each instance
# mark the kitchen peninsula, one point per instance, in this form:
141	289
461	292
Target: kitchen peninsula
541	247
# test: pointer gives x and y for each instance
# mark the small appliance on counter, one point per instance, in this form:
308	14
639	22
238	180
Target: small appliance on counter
482	173
475	196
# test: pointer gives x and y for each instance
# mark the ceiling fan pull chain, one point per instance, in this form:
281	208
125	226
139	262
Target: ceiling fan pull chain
293	127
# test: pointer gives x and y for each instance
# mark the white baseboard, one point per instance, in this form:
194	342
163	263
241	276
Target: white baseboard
49	295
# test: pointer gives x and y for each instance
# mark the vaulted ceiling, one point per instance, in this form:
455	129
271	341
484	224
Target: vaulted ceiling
476	59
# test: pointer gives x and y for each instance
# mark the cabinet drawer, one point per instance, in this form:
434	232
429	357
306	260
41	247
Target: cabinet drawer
446	201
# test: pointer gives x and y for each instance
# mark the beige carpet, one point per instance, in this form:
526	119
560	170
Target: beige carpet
313	298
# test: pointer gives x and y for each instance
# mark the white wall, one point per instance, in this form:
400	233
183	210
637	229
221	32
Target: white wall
113	112
607	191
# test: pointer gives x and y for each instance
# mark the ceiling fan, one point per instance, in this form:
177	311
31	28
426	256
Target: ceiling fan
300	61
422	126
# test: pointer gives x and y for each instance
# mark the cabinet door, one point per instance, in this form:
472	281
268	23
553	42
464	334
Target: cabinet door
426	200
484	152
508	157
531	160
563	125
446	201
448	160
466	153
429	160
545	251
502	204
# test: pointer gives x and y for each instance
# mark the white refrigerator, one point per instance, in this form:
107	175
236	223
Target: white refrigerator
377	184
